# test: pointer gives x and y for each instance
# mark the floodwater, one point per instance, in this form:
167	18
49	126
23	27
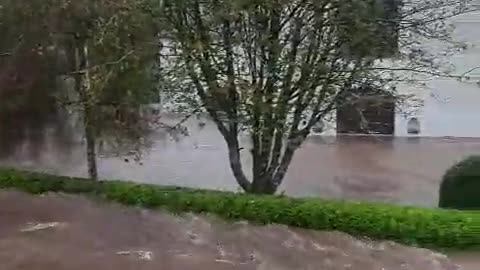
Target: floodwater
404	170
57	231
400	170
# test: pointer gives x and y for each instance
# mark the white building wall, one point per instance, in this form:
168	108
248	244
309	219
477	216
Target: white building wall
451	107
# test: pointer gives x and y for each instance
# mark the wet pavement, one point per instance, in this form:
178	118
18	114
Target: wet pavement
59	232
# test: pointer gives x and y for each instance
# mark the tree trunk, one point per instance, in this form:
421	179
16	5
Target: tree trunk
263	185
268	181
236	164
83	87
91	151
89	119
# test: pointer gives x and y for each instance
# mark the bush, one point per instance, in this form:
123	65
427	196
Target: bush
432	228
460	188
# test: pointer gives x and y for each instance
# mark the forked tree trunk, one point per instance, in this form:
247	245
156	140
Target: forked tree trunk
264	185
269	180
264	182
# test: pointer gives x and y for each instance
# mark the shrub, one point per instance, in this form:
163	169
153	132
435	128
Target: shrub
460	188
432	228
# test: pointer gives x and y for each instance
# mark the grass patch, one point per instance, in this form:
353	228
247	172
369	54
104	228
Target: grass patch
430	228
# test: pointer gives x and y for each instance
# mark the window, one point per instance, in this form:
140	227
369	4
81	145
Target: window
367	111
413	126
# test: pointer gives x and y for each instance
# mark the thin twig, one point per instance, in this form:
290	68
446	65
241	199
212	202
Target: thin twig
116	62
185	119
470	71
181	122
433	73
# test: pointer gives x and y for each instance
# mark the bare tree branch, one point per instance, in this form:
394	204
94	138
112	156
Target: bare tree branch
111	63
469	71
416	70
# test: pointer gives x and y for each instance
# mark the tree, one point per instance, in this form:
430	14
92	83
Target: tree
102	52
272	69
110	47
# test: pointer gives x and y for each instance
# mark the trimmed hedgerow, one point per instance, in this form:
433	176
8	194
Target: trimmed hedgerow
433	228
460	188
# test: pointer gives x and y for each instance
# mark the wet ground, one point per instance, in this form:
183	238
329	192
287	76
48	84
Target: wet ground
59	232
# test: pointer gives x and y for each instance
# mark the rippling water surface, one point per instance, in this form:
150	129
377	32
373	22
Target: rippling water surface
400	169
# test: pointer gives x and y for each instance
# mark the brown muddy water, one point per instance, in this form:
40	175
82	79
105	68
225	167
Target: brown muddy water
395	169
60	232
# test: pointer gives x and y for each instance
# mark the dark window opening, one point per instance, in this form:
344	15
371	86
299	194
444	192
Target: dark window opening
367	112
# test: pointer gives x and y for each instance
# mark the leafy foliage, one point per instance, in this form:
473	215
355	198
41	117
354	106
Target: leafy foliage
120	38
460	188
432	228
90	60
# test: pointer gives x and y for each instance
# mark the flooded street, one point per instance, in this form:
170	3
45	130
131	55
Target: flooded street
111	70
395	169
401	170
57	231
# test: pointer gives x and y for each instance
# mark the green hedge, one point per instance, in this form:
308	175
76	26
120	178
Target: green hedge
460	188
432	228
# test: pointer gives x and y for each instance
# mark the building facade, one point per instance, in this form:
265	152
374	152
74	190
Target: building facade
449	106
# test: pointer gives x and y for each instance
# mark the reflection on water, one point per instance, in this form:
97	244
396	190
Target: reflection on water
29	112
403	170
